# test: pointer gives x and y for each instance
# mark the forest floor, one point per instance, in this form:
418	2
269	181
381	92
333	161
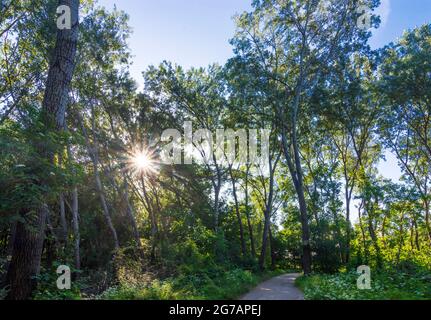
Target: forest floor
278	288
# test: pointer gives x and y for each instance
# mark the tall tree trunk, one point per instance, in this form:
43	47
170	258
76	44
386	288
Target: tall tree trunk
131	216
271	243
238	214
294	164
265	236
364	240
373	235
107	215
27	252
76	233
418	246
296	174
412	232
348	223
75	217
93	153
267	215
401	240
63	221
154	228
9	249
427	219
217	187
51	245
28	244
247	213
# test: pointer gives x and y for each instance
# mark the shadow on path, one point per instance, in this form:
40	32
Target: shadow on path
278	288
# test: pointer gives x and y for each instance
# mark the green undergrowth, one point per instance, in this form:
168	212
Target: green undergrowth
216	284
389	284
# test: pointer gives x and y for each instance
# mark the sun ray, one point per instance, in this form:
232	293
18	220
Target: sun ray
141	161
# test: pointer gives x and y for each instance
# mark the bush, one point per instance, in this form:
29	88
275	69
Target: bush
210	284
385	285
47	287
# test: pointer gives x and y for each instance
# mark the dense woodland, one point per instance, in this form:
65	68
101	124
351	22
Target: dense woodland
73	122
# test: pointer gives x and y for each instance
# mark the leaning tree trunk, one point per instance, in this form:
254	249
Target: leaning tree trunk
75	217
29	237
296	174
94	156
132	218
151	211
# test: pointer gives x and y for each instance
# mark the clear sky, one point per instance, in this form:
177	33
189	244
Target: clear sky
196	33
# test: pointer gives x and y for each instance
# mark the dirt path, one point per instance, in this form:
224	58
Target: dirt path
278	288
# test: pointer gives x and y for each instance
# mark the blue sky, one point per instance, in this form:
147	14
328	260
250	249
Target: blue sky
196	33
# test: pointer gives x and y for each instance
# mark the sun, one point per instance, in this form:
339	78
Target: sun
141	162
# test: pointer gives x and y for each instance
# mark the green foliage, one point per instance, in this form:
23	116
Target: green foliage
411	283
209	284
47	286
332	104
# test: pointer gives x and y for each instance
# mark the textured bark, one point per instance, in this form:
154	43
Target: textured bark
28	244
26	255
10	243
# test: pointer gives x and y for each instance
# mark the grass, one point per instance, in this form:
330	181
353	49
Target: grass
385	285
206	285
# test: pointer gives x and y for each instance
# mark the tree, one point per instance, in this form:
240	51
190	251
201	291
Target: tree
406	124
28	242
293	44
